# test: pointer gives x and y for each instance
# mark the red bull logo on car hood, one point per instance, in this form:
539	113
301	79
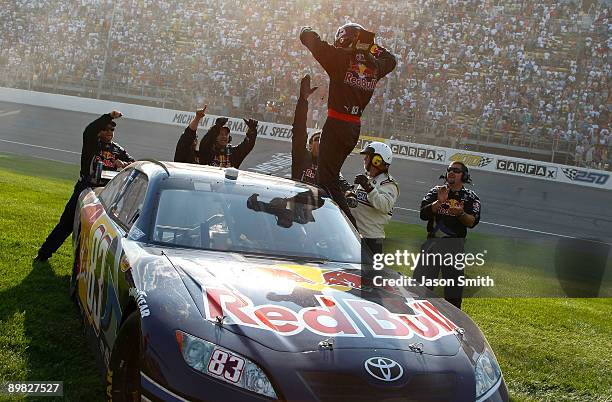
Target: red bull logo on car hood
347	317
291	306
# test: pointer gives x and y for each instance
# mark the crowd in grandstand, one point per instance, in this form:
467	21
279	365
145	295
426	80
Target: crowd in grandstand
526	74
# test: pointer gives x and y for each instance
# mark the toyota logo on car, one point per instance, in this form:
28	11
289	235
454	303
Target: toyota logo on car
384	369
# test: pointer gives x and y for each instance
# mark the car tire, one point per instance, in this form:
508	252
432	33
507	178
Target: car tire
123	372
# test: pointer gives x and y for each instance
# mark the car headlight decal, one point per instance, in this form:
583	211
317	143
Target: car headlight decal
487	373
220	363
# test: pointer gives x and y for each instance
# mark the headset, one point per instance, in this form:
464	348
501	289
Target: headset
377	161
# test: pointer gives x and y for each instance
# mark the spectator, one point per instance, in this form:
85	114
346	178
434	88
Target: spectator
589	156
579	155
534	66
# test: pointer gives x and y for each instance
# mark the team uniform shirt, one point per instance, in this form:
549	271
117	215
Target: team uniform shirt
185	151
94	150
108	153
375	209
228	156
303	163
353	75
309	174
442	223
222	158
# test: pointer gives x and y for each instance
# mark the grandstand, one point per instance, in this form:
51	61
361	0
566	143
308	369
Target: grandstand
526	79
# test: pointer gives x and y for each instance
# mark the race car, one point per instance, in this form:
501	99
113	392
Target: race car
207	284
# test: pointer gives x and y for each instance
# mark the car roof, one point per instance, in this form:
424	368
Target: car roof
205	173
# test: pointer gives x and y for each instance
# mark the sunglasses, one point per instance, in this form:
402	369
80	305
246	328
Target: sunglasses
315	139
454	170
111	129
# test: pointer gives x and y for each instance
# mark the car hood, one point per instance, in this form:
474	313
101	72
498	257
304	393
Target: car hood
302	307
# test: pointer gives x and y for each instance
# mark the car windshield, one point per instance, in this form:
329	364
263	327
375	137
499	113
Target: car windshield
292	222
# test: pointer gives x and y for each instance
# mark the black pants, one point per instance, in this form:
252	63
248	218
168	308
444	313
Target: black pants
369	247
338	139
452	294
375	245
63	229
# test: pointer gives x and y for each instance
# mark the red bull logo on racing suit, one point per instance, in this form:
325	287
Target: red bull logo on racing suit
360	76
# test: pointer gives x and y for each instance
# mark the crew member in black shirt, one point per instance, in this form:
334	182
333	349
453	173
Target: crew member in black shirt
449	211
215	148
304	146
354	68
98	146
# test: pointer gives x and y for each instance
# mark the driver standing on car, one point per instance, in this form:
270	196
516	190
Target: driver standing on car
354	65
98	148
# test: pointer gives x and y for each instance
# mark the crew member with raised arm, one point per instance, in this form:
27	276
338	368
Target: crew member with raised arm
99	152
187	145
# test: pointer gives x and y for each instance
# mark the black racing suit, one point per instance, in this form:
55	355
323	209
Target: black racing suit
353	75
446	234
185	151
228	156
93	150
303	162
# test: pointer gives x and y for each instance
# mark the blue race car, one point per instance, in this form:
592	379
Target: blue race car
208	284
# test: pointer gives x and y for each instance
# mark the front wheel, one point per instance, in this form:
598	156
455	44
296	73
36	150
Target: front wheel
123	373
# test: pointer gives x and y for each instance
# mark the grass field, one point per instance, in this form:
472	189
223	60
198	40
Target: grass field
551	349
524	267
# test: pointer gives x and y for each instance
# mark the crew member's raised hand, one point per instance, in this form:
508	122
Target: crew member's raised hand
252	125
305	89
115	114
201	112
